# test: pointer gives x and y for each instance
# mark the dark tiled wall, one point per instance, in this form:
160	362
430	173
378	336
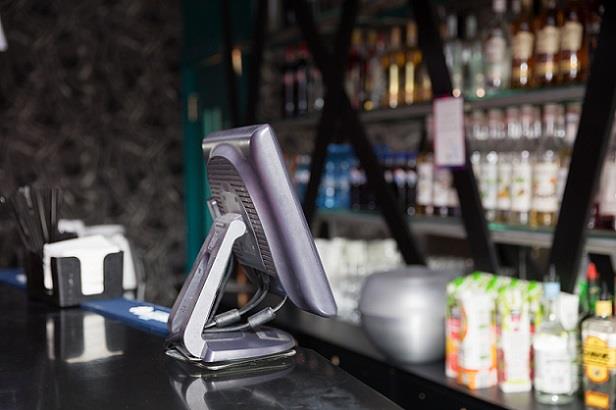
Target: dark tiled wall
89	101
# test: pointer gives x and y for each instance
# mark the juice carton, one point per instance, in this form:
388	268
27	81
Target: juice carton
477	351
452	325
514	338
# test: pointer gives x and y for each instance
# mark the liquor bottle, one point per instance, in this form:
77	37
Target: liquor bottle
522	43
302	74
411	183
358	181
372	63
593	25
301	176
412	61
288	83
521	168
453	55
505	164
478	135
354	80
395	68
564	151
545	173
607	197
548	41
376	79
573	55
440	191
599	356
315	88
425	173
496	50
554	351
489	165
472	56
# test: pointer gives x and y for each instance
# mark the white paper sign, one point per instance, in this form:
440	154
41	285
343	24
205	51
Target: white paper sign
3	44
449	148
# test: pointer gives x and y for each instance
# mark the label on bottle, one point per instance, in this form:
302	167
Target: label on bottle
522	45
571	36
545	182
424	183
442	182
599	360
553	362
521	186
504	186
607	202
548	40
488	183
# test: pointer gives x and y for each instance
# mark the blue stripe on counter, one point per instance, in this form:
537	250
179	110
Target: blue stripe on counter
13	277
142	315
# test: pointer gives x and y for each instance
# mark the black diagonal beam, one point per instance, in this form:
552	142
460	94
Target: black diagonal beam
227	38
480	242
392	213
254	74
589	151
335	75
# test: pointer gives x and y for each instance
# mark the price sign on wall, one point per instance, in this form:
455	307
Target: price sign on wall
449	147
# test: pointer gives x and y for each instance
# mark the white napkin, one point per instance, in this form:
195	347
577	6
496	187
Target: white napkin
91	252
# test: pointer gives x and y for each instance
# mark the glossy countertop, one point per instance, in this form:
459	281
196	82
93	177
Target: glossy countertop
75	359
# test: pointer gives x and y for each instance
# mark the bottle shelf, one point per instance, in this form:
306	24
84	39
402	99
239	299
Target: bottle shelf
598	241
420	110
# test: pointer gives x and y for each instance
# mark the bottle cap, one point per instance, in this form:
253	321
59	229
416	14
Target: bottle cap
603	308
551	290
591	273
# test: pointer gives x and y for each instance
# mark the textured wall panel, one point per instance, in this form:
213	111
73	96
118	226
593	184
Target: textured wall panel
89	101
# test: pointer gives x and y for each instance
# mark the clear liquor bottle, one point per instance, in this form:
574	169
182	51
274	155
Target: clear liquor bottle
496	50
522	42
453	55
489	165
521	168
425	174
554	351
505	164
606	212
478	136
599	356
472	56
545	172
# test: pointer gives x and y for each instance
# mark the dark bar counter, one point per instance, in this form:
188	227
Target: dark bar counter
75	359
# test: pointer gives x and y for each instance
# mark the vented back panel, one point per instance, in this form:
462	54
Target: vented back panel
222	177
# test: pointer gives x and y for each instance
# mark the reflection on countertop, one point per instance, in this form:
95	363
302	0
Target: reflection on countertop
74	359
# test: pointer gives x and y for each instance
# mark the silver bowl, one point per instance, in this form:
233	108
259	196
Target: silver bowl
403	313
